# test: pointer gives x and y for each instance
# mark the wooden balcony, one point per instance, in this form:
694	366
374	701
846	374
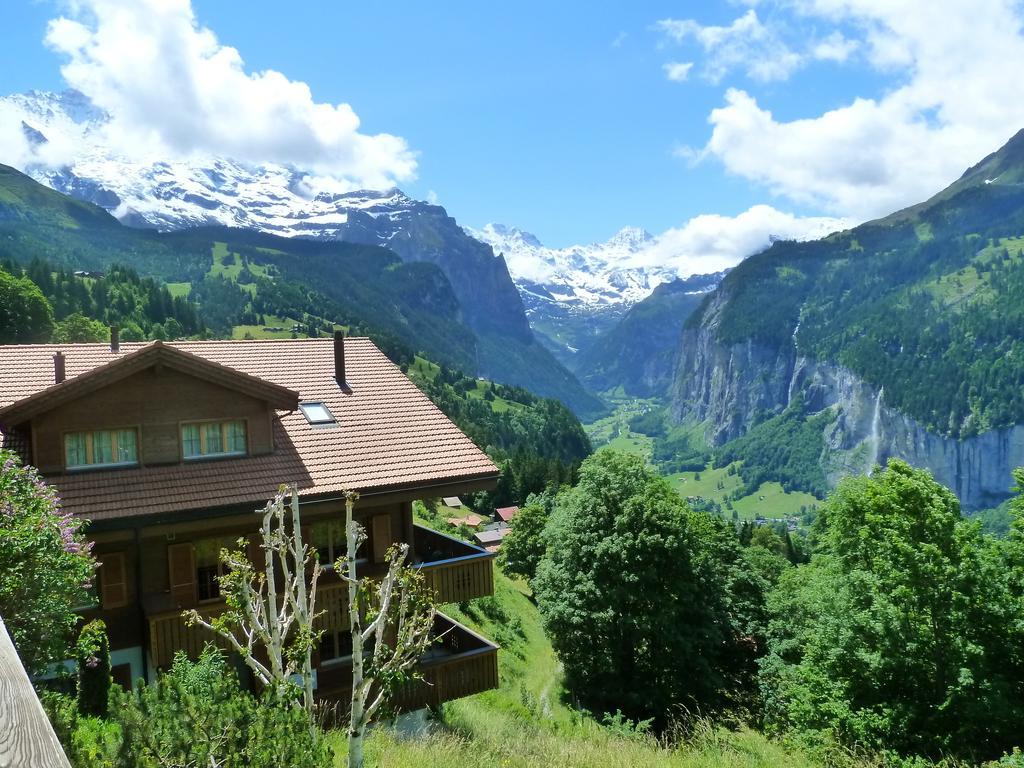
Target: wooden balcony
461	663
454	569
169	633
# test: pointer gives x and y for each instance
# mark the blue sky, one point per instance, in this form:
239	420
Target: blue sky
560	117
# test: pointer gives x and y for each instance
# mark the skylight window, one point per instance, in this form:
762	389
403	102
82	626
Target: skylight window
317	413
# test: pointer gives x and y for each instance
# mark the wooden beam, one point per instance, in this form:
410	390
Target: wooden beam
27	739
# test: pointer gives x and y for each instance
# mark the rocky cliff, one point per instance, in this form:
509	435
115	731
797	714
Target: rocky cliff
730	387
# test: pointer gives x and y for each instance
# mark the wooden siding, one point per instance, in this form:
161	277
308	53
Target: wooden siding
455	570
156	404
26	736
169	633
458	580
451	678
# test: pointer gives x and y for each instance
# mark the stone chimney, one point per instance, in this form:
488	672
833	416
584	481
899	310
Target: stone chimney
58	368
115	339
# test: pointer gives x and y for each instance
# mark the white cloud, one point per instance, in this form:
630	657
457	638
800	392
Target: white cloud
677	71
835	47
712	242
173	90
954	98
745	44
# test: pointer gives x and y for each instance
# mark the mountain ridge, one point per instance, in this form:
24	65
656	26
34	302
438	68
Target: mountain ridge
906	329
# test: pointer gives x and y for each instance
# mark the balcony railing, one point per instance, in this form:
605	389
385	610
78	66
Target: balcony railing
169	633
460	664
455	570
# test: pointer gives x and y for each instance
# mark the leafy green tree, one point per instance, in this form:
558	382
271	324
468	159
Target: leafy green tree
45	566
25	314
902	633
79	328
523	548
93	669
636	593
766	538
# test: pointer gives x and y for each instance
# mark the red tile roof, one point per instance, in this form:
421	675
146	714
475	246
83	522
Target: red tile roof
506	513
389	435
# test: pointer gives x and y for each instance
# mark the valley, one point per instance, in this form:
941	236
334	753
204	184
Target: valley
583	386
720	489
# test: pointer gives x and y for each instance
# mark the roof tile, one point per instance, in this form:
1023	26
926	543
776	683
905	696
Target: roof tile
388	433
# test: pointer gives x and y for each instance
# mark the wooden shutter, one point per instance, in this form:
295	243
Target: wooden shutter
113	580
255	552
181	564
381	537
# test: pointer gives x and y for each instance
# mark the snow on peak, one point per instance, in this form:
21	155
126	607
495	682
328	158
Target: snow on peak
63	145
595	275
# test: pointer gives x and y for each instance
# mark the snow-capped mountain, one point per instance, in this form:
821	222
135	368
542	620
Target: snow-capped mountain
586	278
70	151
60	140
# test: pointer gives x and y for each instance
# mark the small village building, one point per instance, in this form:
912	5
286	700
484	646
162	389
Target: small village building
505	514
471	520
491	540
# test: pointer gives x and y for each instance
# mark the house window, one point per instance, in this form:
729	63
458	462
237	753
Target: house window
213	438
317	413
328	538
336	645
102	448
209	567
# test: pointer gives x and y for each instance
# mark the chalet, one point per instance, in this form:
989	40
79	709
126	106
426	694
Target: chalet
169	448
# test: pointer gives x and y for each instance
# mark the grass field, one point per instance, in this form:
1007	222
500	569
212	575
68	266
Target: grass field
424	369
525	722
179	289
261	332
770	500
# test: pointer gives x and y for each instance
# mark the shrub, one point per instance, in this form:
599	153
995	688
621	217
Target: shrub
45	566
93	669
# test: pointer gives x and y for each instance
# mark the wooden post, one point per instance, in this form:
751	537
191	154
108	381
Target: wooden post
27	739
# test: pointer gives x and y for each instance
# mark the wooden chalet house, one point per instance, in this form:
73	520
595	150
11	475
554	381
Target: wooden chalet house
169	448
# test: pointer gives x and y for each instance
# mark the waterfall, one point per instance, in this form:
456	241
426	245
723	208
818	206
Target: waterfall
874	438
796	358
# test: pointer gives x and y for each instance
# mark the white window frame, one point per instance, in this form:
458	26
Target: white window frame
318	422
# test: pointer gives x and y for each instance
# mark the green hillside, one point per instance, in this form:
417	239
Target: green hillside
926	303
526	723
742	477
638	353
22	199
236	276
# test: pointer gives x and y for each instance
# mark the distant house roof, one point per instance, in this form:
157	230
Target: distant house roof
389	435
492	537
452	501
506	513
470	520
